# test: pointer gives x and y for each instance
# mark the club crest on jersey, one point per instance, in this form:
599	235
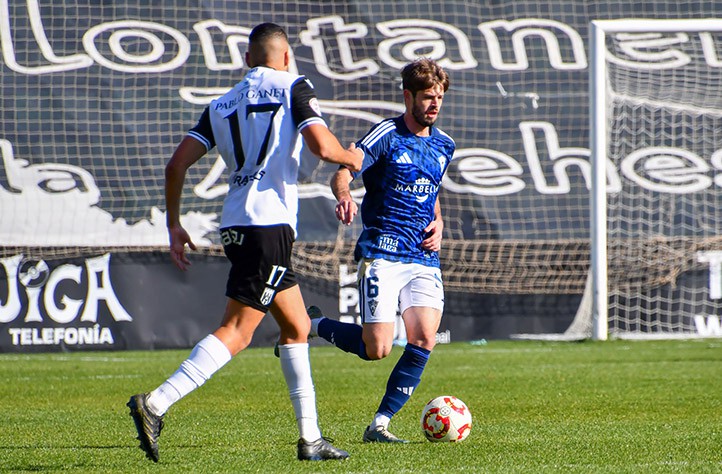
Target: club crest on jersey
267	296
315	106
442	162
373	304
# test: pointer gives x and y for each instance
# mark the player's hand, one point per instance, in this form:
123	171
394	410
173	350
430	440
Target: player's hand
178	240
358	158
346	210
433	233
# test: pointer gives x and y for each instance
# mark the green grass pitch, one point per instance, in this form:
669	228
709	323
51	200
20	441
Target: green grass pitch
538	407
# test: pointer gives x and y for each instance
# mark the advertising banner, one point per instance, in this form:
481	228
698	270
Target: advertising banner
95	97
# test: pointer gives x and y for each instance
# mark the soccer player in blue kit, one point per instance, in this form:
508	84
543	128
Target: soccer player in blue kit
397	251
257	128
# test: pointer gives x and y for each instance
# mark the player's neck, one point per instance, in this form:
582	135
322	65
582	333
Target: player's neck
268	66
415	127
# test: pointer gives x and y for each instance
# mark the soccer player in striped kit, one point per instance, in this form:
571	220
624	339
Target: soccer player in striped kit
257	128
397	251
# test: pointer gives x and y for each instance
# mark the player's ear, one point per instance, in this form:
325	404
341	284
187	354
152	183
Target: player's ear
248	59
408	97
286	59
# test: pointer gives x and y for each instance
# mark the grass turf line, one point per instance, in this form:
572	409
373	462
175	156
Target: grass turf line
607	407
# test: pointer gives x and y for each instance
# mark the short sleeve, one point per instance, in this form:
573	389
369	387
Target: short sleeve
374	144
203	132
305	108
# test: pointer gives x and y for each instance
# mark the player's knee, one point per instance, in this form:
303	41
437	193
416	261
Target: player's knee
239	342
296	332
427	344
425	341
375	355
234	338
377	352
293	334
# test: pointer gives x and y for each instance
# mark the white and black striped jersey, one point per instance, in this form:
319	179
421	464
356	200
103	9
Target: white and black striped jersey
256	127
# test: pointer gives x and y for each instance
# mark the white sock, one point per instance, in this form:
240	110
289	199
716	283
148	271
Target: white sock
314	326
380	420
209	355
296	367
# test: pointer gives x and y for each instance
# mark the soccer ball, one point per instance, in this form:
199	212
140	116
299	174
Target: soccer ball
446	418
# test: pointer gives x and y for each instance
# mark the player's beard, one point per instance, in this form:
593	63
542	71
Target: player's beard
419	115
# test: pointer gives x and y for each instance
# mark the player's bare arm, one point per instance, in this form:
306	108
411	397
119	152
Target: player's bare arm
326	146
346	208
188	152
434	231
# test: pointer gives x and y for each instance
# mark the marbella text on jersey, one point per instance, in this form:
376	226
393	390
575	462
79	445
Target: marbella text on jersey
46	300
421	188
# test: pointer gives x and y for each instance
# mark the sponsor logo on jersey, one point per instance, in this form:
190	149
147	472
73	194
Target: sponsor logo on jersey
388	244
421	189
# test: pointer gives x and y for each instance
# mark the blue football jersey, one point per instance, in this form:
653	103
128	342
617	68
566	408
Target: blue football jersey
402	174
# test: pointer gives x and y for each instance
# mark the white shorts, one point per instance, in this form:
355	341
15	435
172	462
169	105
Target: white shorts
385	287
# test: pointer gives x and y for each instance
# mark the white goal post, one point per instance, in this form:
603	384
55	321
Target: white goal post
655	115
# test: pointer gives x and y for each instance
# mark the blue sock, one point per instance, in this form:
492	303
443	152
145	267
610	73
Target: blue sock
404	379
345	336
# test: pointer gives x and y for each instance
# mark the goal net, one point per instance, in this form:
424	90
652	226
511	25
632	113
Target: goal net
657	231
96	95
112	88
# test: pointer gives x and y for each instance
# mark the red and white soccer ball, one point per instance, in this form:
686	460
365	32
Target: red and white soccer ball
446	418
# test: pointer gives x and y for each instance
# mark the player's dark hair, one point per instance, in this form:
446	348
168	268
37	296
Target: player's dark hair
423	74
266	31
